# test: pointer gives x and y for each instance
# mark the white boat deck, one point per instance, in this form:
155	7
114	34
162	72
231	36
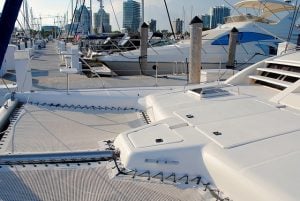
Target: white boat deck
43	129
49	128
241	144
241	137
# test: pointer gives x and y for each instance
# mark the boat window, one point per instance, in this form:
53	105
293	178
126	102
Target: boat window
244	37
267	49
272	50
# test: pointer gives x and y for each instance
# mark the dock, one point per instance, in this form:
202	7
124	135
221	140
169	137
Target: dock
45	65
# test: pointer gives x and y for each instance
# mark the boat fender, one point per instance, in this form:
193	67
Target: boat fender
6	110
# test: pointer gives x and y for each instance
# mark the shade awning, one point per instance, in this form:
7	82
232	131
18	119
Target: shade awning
268	7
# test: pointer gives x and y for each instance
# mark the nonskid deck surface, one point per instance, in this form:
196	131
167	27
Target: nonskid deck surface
45	128
83	181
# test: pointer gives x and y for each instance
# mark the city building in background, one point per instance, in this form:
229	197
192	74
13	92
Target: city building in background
82	19
218	13
152	25
178	26
71	28
206	21
50	30
131	15
102	20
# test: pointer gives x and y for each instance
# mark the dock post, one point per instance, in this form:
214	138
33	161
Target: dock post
23	71
233	40
144	47
195	50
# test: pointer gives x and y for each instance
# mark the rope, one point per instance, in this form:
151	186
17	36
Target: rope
6	86
198	180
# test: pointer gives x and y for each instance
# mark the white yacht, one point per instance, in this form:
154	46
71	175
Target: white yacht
237	140
258	39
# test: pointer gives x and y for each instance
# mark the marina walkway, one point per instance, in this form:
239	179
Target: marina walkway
45	66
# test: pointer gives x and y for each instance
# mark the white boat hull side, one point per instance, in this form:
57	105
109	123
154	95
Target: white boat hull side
132	68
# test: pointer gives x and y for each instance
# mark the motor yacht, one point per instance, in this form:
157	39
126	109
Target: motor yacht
259	35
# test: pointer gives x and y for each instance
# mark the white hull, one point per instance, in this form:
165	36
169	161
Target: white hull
257	41
133	68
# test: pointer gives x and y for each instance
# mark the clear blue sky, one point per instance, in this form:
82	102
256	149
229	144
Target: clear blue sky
153	9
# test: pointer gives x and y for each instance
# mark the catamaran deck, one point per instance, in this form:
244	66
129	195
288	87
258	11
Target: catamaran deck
52	128
47	129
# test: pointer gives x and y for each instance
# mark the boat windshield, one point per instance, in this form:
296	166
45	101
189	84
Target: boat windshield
248	17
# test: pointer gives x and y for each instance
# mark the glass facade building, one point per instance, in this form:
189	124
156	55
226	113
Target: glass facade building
218	14
102	21
206	21
131	15
152	25
82	18
177	26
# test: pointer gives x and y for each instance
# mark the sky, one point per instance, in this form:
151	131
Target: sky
154	9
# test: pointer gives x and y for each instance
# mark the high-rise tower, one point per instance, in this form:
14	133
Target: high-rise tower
131	15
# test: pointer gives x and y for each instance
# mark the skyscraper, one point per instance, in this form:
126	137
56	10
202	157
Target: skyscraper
177	26
82	18
218	14
102	20
152	25
206	21
131	15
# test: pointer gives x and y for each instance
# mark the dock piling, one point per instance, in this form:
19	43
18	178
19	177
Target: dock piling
233	40
195	50
144	47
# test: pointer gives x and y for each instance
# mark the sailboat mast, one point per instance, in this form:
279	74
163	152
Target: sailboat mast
143	12
72	9
7	22
169	19
91	18
26	13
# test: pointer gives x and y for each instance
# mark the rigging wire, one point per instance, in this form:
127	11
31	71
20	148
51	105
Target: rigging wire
27	22
72	20
169	19
20	25
81	11
115	15
6	86
292	24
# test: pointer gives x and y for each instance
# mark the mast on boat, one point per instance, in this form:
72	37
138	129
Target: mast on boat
91	18
7	22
